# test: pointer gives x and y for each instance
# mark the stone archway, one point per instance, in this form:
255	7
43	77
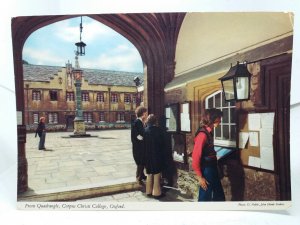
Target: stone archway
153	34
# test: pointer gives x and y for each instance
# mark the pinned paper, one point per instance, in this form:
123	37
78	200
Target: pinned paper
243	138
253	139
254	121
254	161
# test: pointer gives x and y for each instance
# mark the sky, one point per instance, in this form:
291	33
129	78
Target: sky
106	49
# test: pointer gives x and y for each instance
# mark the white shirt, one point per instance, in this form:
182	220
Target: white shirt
140	137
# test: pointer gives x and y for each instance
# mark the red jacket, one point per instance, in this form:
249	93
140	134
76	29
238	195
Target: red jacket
199	141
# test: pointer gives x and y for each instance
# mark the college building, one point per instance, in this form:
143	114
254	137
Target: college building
108	98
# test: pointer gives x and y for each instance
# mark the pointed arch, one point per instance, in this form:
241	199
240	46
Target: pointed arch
153	34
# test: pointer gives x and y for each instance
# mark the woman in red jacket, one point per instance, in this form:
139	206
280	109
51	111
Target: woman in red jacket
205	159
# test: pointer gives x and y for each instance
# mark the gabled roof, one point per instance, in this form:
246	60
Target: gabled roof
92	76
40	73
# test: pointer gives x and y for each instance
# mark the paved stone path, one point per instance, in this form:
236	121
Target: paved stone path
70	162
79	163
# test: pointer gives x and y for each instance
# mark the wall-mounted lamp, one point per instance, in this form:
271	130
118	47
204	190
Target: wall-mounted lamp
137	81
80	45
236	83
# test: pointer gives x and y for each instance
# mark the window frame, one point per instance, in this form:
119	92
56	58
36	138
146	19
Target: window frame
70	96
54	117
101	116
120	115
114	98
222	142
100	97
53	95
87	117
36	95
35	118
128	98
85	96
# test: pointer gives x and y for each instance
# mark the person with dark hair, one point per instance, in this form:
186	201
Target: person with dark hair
41	132
154	156
137	139
204	159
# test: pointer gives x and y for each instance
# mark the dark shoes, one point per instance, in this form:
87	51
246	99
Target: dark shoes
144	178
42	148
156	197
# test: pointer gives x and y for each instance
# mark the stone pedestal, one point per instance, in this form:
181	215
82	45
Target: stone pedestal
79	128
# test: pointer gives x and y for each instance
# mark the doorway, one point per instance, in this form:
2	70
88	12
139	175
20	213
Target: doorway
70	122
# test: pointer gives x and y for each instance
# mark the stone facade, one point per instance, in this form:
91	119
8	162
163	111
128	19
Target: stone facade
240	181
109	98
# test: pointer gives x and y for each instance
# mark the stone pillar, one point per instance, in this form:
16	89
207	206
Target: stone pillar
22	161
79	128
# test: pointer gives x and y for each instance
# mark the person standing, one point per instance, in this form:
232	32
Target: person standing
137	139
41	131
154	156
204	159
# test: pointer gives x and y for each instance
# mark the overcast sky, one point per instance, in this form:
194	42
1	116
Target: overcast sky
54	45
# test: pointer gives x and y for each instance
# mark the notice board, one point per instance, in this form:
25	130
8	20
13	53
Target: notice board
185	121
172	117
256	140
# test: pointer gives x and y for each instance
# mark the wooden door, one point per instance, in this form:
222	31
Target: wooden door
277	83
70	122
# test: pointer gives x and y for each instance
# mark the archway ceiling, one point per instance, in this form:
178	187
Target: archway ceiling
206	37
151	33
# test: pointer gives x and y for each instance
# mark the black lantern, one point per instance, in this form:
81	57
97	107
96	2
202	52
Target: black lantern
236	83
80	45
137	81
80	48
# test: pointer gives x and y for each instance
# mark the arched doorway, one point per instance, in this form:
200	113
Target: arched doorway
154	35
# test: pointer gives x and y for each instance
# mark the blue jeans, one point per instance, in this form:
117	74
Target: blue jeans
214	190
42	141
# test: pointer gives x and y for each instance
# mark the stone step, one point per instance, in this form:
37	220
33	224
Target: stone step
81	192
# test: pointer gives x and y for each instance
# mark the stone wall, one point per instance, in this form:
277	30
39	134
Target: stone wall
239	183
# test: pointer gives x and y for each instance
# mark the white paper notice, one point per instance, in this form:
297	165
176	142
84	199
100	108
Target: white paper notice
185	122
267	120
267	158
253	139
243	138
254	121
254	161
266	138
168	112
266	141
185	108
